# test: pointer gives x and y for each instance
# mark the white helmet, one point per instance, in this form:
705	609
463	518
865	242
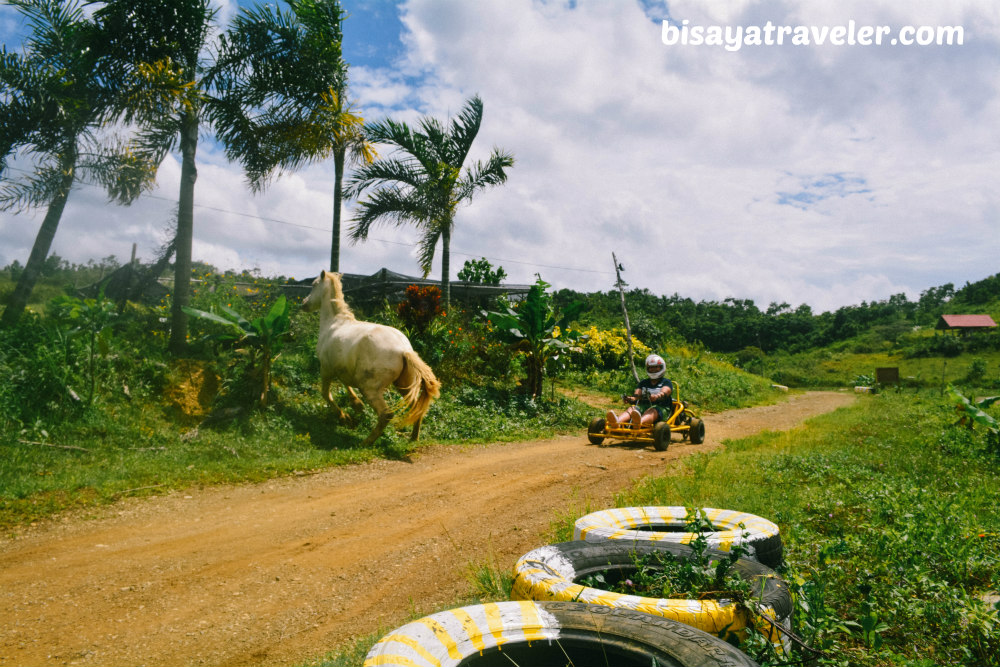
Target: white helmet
655	366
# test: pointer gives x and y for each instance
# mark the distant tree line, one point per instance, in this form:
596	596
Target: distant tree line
735	324
729	326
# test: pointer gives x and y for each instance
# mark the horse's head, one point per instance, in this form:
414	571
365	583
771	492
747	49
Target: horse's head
315	299
326	289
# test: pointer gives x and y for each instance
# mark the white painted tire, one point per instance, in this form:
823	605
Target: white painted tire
551	573
549	633
666	524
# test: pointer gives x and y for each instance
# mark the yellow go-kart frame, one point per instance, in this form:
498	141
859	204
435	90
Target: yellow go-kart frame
681	420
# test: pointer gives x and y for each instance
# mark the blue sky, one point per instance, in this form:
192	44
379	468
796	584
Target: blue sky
820	174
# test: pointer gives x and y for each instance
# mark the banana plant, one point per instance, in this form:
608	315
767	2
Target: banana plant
531	327
263	336
91	318
972	412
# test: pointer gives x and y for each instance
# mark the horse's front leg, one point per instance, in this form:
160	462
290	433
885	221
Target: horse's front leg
342	416
355	401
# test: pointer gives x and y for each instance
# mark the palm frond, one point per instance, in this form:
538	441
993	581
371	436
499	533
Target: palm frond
464	129
400	171
391	132
425	249
34	190
50	26
389	205
482	175
124	170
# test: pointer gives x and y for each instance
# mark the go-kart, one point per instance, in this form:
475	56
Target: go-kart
682	420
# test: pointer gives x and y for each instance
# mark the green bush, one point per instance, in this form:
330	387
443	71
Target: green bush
36	360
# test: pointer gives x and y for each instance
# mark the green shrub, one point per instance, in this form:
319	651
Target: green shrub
36	361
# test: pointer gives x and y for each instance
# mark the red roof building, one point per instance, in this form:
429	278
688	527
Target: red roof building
966	322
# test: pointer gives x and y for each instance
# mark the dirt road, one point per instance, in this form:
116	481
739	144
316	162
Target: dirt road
281	572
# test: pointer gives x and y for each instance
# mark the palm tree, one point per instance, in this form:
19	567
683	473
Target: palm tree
156	46
54	100
282	93
424	182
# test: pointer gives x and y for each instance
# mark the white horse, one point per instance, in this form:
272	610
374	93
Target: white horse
368	356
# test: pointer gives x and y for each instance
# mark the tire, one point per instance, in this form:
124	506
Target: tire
595	431
549	633
551	572
697	431
661	436
666	524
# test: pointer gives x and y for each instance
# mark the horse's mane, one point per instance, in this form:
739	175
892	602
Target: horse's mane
339	303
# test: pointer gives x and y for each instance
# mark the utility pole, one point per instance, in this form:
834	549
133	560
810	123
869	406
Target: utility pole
628	327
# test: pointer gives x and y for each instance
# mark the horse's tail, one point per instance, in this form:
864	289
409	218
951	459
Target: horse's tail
418	385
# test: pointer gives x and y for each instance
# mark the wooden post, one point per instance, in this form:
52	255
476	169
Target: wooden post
628	327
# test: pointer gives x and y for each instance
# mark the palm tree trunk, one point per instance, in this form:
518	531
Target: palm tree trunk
185	235
43	243
446	265
339	155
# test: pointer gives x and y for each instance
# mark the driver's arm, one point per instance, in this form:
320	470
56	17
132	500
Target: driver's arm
661	394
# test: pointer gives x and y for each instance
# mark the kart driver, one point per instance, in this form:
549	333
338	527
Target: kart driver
656	392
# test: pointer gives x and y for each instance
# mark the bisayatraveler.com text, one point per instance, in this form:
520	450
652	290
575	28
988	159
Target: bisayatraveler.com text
734	38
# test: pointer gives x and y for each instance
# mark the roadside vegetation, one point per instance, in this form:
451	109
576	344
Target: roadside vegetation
97	409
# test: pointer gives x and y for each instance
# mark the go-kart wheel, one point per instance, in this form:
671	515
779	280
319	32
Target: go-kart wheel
697	431
595	432
661	436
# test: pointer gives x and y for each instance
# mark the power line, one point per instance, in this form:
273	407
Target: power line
330	229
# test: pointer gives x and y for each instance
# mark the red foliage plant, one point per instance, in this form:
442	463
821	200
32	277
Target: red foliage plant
420	306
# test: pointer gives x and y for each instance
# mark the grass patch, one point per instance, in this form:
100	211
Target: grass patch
831	367
124	448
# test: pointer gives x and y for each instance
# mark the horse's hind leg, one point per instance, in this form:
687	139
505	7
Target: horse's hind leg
377	401
415	433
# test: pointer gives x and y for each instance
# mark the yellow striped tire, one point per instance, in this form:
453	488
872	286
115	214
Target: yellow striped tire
549	633
552	572
666	524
